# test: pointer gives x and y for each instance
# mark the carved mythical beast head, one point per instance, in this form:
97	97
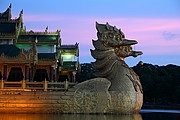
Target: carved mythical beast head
114	38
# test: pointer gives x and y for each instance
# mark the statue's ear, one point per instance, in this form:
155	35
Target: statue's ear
100	27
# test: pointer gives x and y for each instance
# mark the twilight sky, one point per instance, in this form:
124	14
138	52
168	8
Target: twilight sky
155	24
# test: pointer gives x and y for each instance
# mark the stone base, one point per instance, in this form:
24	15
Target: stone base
91	96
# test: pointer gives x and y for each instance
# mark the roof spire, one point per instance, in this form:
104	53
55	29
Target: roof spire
46	30
9	12
10	5
21	11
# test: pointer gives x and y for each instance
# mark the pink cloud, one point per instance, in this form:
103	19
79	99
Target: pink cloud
148	31
40	18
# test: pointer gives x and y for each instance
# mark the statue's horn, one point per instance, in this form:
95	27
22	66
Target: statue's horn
100	27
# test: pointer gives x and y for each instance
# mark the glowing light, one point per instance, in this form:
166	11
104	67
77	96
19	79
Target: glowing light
67	57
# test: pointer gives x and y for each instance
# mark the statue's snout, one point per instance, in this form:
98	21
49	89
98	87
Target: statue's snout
128	42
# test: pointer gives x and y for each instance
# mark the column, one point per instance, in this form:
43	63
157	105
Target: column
2	71
27	73
32	72
23	67
5	73
51	74
74	76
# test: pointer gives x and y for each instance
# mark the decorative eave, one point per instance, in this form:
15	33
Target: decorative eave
47	58
7	36
40	33
42	37
23	57
46	62
70	66
74	49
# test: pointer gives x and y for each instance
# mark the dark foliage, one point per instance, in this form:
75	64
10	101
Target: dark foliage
86	73
161	84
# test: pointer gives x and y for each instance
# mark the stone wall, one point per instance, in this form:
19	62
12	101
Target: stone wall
88	97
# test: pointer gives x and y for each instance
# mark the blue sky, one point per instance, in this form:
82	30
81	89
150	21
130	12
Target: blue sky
155	24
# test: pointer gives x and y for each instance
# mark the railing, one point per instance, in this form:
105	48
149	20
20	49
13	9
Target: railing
33	86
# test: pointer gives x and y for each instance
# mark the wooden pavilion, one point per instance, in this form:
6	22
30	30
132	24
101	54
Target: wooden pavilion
34	56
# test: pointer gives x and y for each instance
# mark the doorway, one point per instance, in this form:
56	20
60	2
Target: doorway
41	75
63	78
15	74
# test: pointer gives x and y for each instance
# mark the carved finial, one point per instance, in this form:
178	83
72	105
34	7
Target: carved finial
76	44
20	15
21	12
46	30
10	5
58	31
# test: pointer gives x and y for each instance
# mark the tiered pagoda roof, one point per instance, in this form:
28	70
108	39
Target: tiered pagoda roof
74	49
10	28
42	37
6	16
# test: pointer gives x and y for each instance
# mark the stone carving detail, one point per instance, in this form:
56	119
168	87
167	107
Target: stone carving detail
85	97
89	96
23	57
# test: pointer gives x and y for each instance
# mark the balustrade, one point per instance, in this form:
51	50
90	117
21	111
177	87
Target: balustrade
33	86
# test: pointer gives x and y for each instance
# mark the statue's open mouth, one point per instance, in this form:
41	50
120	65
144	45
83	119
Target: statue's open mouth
136	53
128	43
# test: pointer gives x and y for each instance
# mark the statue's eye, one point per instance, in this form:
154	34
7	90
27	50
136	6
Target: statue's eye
117	37
126	49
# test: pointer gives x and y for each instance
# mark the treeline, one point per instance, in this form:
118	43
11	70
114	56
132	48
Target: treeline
161	84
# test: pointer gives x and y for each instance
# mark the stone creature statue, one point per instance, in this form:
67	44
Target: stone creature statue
117	88
110	50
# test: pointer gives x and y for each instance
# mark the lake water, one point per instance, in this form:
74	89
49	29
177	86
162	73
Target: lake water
145	115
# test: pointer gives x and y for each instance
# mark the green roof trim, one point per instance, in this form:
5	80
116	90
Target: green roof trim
23	45
9	50
38	37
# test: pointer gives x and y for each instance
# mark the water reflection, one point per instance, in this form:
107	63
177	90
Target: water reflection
144	116
68	117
